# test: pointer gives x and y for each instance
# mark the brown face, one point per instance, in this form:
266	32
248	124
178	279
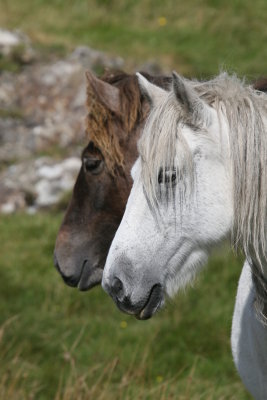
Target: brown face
99	196
91	220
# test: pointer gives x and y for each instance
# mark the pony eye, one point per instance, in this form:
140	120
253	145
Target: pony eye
92	165
168	177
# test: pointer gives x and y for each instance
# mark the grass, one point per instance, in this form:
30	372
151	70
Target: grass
11	113
196	38
58	343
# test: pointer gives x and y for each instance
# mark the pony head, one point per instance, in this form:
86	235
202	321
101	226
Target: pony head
116	112
181	203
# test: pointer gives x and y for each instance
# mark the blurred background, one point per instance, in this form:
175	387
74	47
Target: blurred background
56	342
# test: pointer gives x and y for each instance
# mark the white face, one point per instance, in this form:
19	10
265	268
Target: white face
149	257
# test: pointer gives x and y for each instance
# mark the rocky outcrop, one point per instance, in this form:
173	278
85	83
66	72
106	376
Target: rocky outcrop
42	112
41	108
37	183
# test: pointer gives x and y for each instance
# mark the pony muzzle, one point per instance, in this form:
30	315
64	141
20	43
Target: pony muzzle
144	308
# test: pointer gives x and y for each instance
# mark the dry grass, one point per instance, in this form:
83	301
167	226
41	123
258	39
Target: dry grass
59	344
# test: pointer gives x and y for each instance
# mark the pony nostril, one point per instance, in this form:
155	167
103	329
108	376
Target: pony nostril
116	287
71	280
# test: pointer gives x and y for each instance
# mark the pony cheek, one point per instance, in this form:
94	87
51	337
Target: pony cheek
212	220
221	223
183	269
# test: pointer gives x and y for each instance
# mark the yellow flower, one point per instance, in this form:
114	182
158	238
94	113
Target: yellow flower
162	21
159	379
123	324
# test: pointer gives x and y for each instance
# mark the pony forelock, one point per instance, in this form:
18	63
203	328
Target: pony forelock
161	142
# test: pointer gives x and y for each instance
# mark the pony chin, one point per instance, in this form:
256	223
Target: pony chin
186	272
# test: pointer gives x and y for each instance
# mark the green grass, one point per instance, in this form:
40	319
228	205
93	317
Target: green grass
11	113
196	38
58	343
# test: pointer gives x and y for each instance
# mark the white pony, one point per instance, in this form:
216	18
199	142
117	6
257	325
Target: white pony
201	175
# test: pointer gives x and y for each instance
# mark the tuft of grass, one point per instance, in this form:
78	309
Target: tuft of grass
15	60
7	64
11	113
59	343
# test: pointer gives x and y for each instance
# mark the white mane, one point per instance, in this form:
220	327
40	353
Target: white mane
246	112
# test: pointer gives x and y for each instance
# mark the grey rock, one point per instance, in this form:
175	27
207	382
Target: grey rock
152	67
94	59
37	183
17	45
8	40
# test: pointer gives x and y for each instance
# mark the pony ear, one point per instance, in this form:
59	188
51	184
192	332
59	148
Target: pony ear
189	99
106	94
152	92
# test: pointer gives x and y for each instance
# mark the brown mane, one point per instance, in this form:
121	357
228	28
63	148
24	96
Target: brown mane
261	84
102	122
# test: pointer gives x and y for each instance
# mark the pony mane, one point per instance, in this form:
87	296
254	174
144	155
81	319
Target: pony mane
102	125
246	112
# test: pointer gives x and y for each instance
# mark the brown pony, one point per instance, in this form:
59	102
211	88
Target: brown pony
116	113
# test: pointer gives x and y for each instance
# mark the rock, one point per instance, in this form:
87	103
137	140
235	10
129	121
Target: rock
16	45
8	40
8	208
59	72
11	200
16	140
37	183
94	59
152	67
42	107
54	180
